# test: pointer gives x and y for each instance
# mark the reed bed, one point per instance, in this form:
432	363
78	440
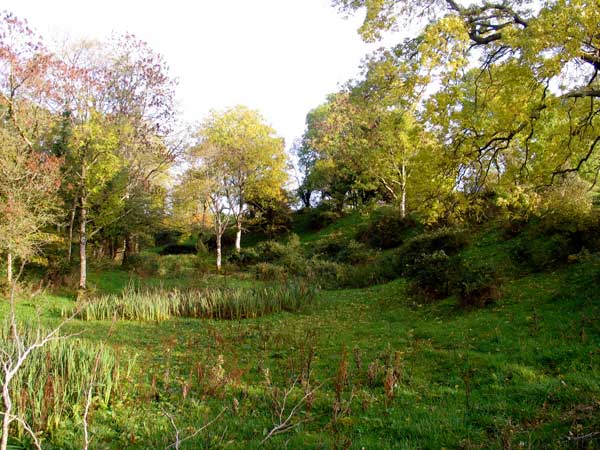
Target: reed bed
52	385
208	303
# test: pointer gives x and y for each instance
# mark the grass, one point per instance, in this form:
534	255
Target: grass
345	226
388	371
209	303
51	389
526	370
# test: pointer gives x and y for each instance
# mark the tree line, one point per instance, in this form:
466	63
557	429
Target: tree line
487	100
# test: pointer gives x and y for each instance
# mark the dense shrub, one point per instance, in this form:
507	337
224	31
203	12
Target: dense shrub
365	275
271	251
269	218
179	249
342	250
385	229
169	266
536	253
328	247
431	274
450	241
247	256
143	263
549	241
327	274
269	272
267	252
477	286
166	237
355	253
173	266
321	216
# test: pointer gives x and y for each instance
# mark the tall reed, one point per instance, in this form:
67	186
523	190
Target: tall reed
52	384
209	303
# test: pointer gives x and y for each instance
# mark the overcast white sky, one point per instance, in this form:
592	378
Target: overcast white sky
281	57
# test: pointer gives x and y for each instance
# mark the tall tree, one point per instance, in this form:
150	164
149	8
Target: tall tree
536	64
121	112
246	154
29	173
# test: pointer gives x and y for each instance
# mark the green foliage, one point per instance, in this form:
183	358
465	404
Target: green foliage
168	266
144	263
339	249
176	266
450	241
320	217
327	274
430	274
386	228
548	242
270	251
166	236
477	286
270	272
179	249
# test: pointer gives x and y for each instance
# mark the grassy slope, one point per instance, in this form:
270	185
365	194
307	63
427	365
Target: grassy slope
521	374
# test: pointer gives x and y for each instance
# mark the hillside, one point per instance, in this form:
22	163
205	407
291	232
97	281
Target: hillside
376	367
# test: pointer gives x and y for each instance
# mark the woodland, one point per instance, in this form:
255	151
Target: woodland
418	270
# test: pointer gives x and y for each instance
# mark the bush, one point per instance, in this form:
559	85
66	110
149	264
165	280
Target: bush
548	242
321	216
179	249
272	251
342	250
538	253
447	240
385	229
326	274
477	287
143	263
247	256
354	253
431	275
166	237
267	252
174	266
269	272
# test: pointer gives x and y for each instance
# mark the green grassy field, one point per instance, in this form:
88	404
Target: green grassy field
387	372
373	368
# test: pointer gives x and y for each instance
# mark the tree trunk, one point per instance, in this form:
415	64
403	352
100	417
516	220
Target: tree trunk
238	236
127	249
219	234
204	206
71	224
9	268
403	200
83	247
305	197
6	418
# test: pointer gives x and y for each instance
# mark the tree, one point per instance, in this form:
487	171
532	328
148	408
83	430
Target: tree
29	173
536	64
121	111
245	158
334	149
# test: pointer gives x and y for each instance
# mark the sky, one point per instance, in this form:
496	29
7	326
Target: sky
281	57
